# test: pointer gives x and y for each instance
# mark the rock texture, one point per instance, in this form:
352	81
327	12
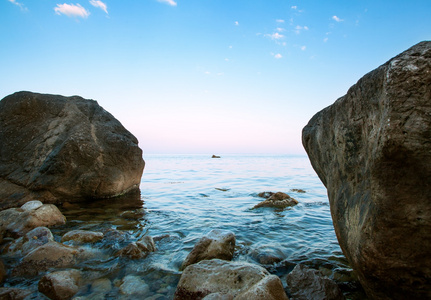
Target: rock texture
216	244
277	200
372	151
54	147
306	283
228	280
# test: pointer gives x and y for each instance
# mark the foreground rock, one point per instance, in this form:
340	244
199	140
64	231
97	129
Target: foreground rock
228	280
32	240
47	256
216	244
372	151
61	284
277	200
19	221
306	283
55	146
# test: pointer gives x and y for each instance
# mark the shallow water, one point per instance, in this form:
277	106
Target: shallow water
185	196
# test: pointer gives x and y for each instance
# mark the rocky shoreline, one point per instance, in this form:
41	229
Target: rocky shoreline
40	246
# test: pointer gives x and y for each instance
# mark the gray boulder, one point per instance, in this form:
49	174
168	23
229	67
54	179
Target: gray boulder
228	280
372	151
54	147
60	285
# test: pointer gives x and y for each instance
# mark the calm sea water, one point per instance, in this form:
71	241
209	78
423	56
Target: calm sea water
188	195
182	198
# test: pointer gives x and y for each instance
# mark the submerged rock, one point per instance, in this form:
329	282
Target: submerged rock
82	236
372	151
277	200
61	284
133	285
228	280
55	147
306	283
50	255
139	249
30	241
216	244
14	293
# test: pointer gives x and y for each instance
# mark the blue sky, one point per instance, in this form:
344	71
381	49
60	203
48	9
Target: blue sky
205	76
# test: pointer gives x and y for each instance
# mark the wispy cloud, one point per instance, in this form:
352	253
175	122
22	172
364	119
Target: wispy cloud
337	19
99	4
71	10
325	40
279	29
294	7
275	36
303	48
299	28
170	2
278	56
22	6
279	21
236	23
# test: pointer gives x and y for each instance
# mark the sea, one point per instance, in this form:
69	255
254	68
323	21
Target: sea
183	197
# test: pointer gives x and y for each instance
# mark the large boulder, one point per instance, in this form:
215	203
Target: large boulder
228	280
54	147
372	151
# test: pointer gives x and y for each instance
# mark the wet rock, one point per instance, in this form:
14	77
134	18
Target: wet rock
267	256
30	241
298	191
50	255
216	244
277	200
133	214
18	221
372	151
238	280
139	249
56	147
61	284
215	156
306	283
82	236
14	293
132	285
146	244
101	286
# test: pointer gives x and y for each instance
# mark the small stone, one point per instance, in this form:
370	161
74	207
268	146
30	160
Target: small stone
216	244
82	236
31	205
278	200
61	284
146	244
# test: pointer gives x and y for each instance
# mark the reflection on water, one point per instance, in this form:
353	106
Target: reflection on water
183	197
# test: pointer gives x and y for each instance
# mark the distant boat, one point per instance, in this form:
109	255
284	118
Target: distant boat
215	156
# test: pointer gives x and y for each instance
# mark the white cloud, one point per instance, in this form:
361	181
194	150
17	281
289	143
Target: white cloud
71	10
22	6
236	23
170	2
325	40
275	36
279	29
294	7
99	4
337	19
298	29
278	56
279	21
303	48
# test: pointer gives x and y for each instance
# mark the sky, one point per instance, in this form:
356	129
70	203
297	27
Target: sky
205	76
